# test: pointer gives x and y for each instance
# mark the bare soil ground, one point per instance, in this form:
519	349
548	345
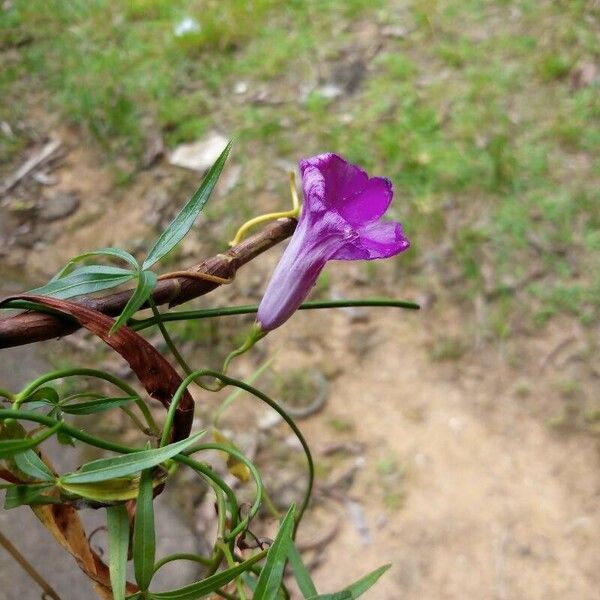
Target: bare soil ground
464	487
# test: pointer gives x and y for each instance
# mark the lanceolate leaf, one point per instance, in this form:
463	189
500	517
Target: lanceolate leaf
44	394
203	588
152	369
9	448
301	574
86	280
145	285
183	222
31	464
95	406
144	542
118	544
362	585
110	252
127	464
272	573
357	589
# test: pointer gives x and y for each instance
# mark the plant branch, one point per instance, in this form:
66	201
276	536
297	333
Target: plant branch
30	327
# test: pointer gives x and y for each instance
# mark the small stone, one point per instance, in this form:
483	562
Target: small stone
59	206
330	91
240	87
186	26
269	420
199	156
395	32
229	179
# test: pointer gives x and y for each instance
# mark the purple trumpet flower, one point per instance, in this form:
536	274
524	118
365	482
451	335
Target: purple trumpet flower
340	220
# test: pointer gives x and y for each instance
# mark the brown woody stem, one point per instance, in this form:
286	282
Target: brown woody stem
29	327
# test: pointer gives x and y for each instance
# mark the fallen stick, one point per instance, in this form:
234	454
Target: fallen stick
29	327
31	164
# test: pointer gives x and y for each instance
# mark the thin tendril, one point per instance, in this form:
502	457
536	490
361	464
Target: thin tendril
285	416
185	315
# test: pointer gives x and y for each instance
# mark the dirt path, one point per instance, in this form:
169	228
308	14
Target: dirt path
490	502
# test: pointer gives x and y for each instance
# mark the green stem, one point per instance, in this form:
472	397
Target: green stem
91	440
227	402
255	335
167	337
217	480
185	315
231	563
82	372
255	475
203	560
143	428
74	432
166	432
261	396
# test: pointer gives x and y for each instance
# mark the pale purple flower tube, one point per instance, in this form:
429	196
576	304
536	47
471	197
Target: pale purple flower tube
340	220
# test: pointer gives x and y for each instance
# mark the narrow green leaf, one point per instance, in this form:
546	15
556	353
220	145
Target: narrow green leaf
303	578
95	406
128	464
144	542
357	589
272	573
111	252
183	222
145	285
208	585
31	464
251	579
9	448
44	394
86	280
18	495
362	585
118	544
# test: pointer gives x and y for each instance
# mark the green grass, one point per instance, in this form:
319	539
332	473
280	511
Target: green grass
472	113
